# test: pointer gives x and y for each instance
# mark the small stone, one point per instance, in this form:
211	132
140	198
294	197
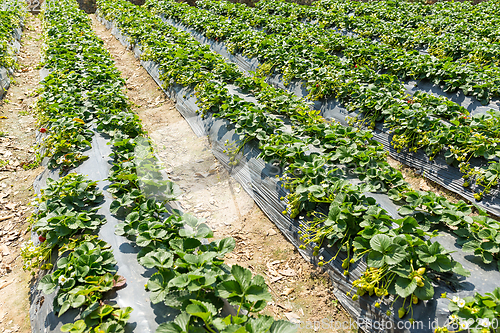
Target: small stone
271	232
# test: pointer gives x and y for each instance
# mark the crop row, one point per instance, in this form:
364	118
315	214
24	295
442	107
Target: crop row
9	20
445	30
473	78
67	217
401	260
421	121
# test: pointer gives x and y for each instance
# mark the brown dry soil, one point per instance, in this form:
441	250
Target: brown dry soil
17	139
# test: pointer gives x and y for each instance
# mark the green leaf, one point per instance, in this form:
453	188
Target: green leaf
206	306
395	254
161	259
380	242
242	275
405	287
78	301
169	328
424	255
78	327
64	307
47	285
257	293
178	299
234	329
375	259
442	264
489	303
282	326
180	281
260	324
226	245
426	292
183	320
470	246
406	210
229	288
104	310
204	310
184	244
460	270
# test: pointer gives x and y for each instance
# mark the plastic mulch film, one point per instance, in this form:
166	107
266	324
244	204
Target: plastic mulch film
146	316
5	73
258	180
437	170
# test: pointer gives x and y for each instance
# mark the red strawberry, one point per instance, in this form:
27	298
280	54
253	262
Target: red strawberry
41	239
317	85
43	130
355	66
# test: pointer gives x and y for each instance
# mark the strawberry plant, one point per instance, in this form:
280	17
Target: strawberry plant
66	208
81	279
478	313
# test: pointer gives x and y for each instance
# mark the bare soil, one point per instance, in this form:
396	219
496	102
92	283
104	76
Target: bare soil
17	138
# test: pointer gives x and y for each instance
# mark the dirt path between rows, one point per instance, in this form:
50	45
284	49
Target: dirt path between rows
17	138
299	291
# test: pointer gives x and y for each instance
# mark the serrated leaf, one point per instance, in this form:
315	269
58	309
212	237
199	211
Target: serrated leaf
229	288
180	281
257	293
242	275
442	264
426	292
460	270
47	285
169	328
394	254
161	259
406	210
405	287
260	324
375	259
380	242
183	320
